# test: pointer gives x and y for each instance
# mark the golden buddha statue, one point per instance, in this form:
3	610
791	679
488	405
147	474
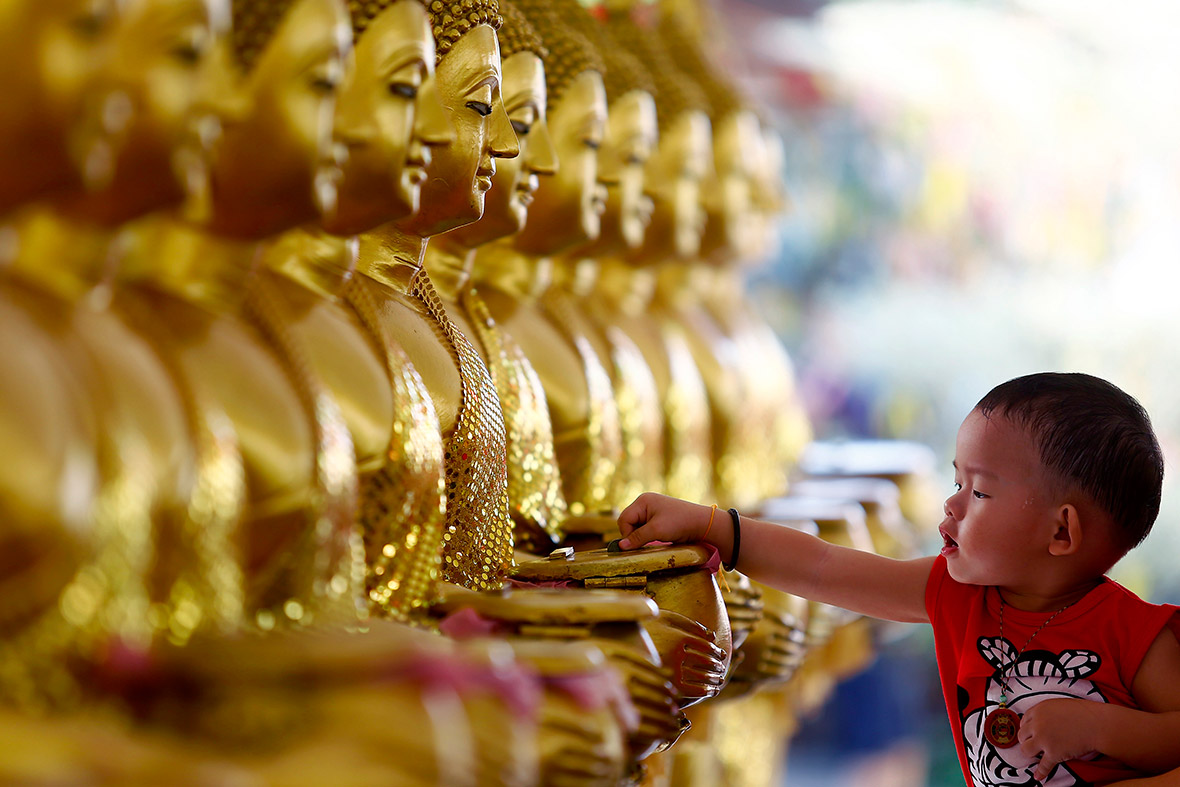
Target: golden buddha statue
764	366
535	499
626	283
170	486
389	116
48	497
396	298
738	411
627	145
49	52
513	276
454	170
301	554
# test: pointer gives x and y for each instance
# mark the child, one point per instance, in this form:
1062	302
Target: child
1049	669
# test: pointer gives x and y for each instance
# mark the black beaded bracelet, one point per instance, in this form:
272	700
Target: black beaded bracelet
737	540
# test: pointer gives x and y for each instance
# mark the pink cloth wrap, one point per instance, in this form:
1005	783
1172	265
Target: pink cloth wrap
516	685
466	623
599	689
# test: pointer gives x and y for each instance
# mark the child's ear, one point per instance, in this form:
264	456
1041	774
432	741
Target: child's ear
1067	532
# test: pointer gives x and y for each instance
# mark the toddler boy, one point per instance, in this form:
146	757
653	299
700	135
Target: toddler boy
1052	673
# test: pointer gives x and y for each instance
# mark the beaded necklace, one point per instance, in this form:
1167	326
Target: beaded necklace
1001	727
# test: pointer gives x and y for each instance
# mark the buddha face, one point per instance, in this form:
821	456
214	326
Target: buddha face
167	78
49	50
506	206
273	169
567	209
673	181
459	174
631	134
738	150
387	116
770	195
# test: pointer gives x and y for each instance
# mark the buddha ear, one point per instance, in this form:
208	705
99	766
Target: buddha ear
1067	531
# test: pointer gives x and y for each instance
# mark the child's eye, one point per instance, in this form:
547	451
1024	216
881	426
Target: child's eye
979	494
958	487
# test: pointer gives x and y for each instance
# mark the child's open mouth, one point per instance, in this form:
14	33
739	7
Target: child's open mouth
949	545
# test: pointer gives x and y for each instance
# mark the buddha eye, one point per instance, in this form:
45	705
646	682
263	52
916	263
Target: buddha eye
89	25
483	109
403	90
593	144
522	129
324	85
187	53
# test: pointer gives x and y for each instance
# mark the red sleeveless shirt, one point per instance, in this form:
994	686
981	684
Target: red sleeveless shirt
1092	650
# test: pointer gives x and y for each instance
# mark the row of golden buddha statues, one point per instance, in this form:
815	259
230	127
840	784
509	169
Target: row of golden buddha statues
321	325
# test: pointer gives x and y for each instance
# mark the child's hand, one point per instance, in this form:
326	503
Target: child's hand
655	517
1059	730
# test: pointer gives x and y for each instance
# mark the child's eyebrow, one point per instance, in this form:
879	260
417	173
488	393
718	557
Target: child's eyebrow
970	470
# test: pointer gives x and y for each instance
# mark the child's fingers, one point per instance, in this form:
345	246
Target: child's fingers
1044	767
638	537
635	514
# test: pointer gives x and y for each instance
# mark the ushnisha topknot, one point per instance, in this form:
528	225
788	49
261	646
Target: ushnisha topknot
362	12
517	35
624	72
675	93
254	24
723	95
570	53
452	20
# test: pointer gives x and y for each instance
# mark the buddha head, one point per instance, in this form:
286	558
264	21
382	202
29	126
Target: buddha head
275	166
730	227
631	135
388	115
506	206
683	157
49	50
567	207
164	88
469	76
770	196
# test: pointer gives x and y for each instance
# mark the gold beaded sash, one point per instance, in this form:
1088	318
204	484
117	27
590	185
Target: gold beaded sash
477	548
402	506
198	569
322	575
535	499
640	421
107	598
687	438
589	457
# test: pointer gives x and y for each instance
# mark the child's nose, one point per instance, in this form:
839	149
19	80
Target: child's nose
951	508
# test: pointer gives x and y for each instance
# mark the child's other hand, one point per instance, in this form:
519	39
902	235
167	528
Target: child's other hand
1059	730
654	517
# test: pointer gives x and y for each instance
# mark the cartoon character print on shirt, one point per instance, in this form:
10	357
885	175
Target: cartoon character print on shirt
1036	676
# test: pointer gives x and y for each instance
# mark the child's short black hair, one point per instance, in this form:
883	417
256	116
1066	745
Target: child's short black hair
1092	436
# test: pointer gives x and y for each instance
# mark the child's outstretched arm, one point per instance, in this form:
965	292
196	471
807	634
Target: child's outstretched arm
787	559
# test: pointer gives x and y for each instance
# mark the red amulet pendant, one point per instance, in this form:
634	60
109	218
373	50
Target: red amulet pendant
1001	728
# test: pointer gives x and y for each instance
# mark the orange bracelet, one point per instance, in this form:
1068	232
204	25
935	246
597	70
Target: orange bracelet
712	514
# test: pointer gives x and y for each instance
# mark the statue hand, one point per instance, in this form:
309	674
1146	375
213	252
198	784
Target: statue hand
688	649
